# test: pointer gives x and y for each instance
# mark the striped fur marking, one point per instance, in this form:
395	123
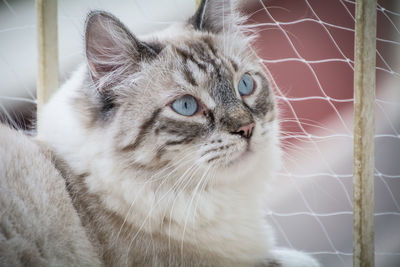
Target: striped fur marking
144	128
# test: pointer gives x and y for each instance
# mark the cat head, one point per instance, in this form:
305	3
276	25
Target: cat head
193	96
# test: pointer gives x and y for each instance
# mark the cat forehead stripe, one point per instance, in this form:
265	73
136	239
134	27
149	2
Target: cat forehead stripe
203	53
188	75
189	56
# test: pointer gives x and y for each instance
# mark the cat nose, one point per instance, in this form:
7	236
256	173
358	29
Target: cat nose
245	131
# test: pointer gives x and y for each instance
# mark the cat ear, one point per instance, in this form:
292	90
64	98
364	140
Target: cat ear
214	16
111	46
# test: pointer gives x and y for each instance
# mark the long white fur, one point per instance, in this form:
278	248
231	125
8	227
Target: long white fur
228	218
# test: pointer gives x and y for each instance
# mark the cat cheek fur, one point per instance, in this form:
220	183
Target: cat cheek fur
141	181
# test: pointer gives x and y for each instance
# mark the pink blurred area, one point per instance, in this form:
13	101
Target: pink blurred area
308	50
318	44
309	41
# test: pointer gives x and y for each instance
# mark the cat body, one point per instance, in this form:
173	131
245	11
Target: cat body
166	144
39	225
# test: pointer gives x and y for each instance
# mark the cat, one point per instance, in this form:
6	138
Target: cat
165	144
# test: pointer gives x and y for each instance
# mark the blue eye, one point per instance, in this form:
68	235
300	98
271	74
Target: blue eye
186	105
246	85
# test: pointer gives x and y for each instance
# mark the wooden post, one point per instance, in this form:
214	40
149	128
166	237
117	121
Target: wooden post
364	130
47	80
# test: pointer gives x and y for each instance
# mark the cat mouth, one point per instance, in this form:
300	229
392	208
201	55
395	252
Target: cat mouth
223	154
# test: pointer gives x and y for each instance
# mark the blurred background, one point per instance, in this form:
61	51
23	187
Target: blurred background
307	48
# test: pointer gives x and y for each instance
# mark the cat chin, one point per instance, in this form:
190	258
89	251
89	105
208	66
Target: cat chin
243	160
244	157
250	167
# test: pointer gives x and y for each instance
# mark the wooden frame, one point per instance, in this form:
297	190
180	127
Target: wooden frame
364	130
47	40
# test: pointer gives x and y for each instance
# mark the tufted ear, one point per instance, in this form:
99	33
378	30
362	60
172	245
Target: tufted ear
110	46
213	16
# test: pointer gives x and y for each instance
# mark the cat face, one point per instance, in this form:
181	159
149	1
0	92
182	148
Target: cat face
194	96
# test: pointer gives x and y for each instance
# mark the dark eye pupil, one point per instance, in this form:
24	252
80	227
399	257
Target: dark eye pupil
246	85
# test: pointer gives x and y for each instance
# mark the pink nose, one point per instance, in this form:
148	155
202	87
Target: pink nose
246	131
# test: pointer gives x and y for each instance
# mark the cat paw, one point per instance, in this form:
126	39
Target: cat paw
290	258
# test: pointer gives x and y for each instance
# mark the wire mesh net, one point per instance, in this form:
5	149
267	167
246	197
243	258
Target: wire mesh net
307	48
